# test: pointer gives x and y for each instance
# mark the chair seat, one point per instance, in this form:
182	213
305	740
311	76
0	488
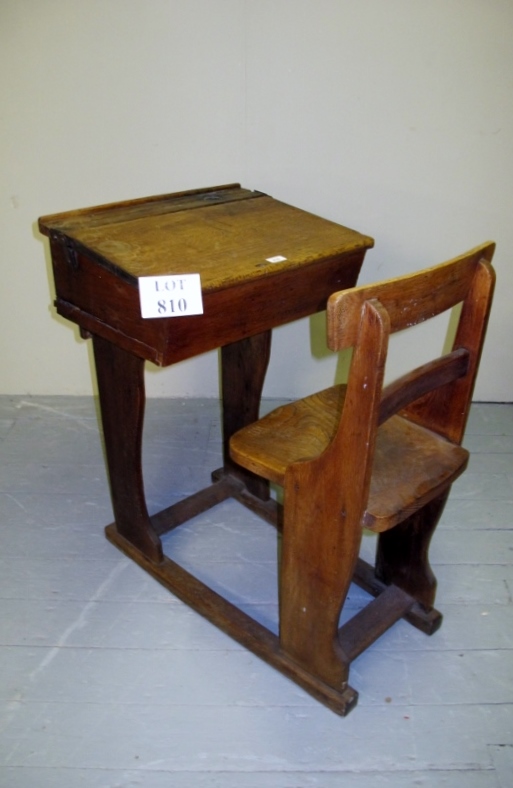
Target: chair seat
411	463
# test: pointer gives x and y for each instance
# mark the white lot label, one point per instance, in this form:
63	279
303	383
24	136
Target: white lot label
170	296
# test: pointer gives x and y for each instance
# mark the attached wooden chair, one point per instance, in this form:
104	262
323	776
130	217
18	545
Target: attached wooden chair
368	456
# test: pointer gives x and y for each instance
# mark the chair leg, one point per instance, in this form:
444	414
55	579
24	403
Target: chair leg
402	553
318	562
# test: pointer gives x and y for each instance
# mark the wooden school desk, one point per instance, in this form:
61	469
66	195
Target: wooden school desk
261	263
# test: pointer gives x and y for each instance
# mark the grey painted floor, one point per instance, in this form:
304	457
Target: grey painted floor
106	680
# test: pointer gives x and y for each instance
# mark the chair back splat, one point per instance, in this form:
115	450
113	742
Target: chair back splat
374	456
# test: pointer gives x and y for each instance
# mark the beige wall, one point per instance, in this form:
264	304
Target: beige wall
395	118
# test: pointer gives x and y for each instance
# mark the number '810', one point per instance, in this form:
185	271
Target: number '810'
172	306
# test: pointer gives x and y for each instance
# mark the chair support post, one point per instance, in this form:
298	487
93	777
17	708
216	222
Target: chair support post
319	556
402	554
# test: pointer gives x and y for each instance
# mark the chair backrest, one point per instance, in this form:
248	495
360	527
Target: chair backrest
438	394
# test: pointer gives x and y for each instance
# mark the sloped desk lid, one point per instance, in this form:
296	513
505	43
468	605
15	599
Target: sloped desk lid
228	234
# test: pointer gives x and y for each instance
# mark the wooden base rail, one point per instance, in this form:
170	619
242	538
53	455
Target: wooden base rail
366	626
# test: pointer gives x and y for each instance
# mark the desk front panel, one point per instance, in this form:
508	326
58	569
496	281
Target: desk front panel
102	303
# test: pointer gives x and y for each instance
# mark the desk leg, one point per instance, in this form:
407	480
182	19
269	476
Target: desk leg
122	397
243	367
